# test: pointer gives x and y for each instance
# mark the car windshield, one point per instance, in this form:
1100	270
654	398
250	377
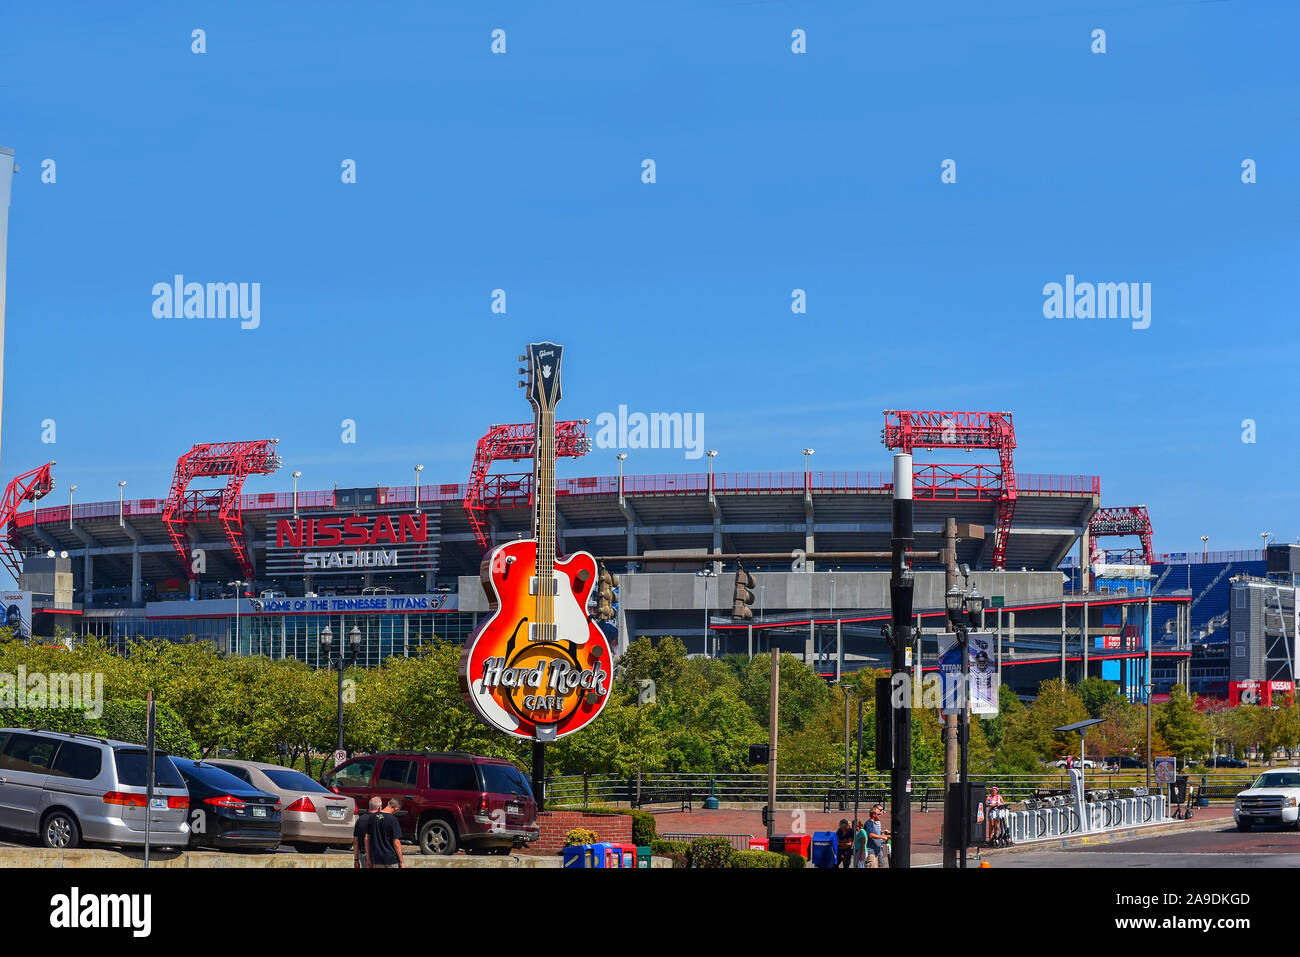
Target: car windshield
131	770
1285	779
291	780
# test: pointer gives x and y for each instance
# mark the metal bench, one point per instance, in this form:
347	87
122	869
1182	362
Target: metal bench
684	798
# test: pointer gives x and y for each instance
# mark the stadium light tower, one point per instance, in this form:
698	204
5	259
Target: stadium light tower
806	454
7	169
296	476
418	470
121	521
1205	548
71	489
621	456
1265	536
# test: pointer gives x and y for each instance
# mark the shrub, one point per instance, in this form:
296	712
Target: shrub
644	831
711	852
679	860
756	858
580	835
795	859
660	848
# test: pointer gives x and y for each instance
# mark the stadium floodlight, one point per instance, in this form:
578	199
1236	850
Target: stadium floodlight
418	470
71	489
121	521
49	553
296	476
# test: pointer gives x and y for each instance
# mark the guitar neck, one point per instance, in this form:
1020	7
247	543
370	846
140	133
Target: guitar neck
544	524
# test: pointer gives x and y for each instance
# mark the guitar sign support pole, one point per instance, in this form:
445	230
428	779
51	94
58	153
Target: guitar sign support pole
539	774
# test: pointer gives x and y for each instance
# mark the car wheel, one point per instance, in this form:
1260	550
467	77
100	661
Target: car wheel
60	831
437	836
1243	826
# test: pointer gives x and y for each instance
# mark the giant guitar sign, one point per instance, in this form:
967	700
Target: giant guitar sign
538	667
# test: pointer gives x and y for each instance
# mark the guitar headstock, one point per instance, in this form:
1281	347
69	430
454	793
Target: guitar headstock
543	369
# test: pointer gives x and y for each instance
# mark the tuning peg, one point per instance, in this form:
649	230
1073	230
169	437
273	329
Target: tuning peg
523	358
523	385
523	371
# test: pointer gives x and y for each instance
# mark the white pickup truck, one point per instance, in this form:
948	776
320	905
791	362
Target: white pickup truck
1274	798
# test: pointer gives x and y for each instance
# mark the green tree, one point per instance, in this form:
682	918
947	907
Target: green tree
1096	694
1184	730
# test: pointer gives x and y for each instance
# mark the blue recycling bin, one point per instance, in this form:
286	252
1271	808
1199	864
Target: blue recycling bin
825	845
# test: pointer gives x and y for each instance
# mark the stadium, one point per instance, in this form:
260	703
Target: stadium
392	567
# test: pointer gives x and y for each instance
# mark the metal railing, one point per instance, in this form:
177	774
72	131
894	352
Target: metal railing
811	790
678	484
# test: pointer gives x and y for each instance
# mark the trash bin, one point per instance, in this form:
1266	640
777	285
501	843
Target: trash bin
577	856
642	857
758	844
799	844
825	845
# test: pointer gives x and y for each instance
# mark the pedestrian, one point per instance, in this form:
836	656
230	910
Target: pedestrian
844	844
384	837
860	844
875	838
996	816
361	832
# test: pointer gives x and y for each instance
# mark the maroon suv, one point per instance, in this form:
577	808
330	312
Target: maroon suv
450	799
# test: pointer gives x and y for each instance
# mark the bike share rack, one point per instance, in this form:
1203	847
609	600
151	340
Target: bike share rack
1056	816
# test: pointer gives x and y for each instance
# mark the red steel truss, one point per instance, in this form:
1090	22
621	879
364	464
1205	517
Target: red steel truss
1125	520
237	460
910	430
513	442
27	487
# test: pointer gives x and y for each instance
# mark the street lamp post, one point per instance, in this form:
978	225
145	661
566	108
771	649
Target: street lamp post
71	489
239	600
339	659
962	609
706	574
418	470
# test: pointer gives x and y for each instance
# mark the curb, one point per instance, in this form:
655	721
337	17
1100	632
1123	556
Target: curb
1107	837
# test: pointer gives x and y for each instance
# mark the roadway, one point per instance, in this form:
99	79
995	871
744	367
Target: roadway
1220	846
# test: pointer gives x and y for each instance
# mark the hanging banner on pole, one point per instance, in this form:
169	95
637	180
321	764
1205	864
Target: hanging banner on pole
983	677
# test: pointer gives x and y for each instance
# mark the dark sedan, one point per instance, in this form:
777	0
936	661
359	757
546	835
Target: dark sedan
225	812
1222	762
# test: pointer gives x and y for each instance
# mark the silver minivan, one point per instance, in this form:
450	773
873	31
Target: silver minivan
69	788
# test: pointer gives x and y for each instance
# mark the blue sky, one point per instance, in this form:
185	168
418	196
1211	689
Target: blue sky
775	171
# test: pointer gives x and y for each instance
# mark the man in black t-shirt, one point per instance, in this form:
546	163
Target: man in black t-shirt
384	835
361	833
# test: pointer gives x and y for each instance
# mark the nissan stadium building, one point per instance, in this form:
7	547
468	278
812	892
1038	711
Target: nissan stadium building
265	572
